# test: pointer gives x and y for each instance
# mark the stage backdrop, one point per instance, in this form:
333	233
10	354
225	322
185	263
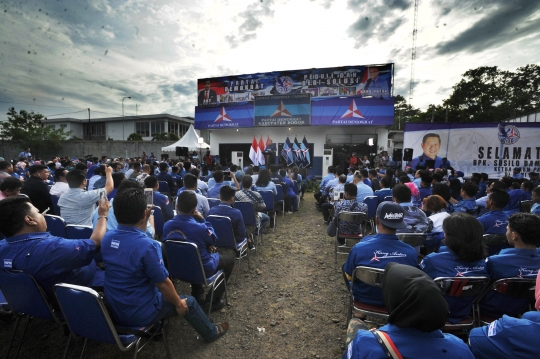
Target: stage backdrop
364	80
492	148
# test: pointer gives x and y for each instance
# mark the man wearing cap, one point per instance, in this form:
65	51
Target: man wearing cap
379	250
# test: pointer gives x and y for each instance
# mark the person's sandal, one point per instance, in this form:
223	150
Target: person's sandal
221	330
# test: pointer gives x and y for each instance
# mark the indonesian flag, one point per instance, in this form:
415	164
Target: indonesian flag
253	151
260	154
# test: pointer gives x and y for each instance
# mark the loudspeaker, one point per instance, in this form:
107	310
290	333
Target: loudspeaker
397	154
181	151
408	154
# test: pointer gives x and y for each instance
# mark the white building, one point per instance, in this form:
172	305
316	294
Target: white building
119	128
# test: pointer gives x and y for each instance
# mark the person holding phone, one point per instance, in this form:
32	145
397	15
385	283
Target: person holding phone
155	198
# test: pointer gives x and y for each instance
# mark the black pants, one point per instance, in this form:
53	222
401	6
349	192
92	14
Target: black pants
226	263
325	207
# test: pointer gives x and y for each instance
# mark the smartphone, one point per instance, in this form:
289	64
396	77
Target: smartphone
149	194
226	175
341	195
101	197
336	195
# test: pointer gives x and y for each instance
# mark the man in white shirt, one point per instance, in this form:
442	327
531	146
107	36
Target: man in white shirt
61	186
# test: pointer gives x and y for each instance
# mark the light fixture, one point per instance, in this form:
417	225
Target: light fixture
289	128
236	130
370	141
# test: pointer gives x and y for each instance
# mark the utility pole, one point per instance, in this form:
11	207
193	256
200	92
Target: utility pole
413	52
89	125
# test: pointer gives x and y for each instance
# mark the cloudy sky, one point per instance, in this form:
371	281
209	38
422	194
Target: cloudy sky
58	56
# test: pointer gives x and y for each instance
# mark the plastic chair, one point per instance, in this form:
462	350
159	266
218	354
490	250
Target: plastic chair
495	242
87	316
76	231
373	277
415	240
186	265
279	199
225	238
56	225
371	202
212	202
268	198
357	217
518	288
250	219
462	287
55	204
525	206
25	298
158	223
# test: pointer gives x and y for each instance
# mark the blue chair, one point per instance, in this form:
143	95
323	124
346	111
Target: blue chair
164	188
372	203
55	204
212	202
388	199
25	298
76	231
56	225
280	199
158	223
225	238
87	316
268	198
250	219
4	307
186	265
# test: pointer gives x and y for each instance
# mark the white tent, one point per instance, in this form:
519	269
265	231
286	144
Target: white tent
189	140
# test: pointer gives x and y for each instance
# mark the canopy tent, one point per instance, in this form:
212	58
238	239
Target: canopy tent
189	140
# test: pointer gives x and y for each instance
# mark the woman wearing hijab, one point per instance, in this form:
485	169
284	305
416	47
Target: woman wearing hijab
417	311
464	256
509	337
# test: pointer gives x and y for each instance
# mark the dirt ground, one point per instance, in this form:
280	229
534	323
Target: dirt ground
292	303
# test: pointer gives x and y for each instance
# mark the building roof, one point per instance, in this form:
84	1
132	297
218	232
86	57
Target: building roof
164	116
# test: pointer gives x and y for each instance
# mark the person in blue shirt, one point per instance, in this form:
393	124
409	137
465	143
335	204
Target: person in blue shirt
164	176
190	226
290	191
264	183
535	197
468	203
482	184
464	258
226	195
49	259
521	261
365	176
415	219
362	189
90	171
517	173
385	190
507	336
496	220
324	181
160	200
417	312
379	250
516	196
137	285
218	177
26	153
425	187
527	186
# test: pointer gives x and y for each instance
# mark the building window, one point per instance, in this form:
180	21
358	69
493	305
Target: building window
52	126
63	125
157	127
142	128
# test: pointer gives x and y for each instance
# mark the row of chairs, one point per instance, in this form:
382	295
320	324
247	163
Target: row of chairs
476	287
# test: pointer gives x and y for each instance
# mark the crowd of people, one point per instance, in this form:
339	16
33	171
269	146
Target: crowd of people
453	212
123	256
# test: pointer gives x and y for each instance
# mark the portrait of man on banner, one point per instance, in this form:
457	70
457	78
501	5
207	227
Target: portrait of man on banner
377	84
430	147
207	96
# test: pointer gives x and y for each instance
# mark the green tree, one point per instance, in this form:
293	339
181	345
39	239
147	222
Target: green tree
134	137
30	129
165	136
403	112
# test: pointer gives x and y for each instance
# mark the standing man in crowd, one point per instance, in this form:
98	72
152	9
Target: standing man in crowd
36	189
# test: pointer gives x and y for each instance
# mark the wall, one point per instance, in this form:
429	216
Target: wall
11	150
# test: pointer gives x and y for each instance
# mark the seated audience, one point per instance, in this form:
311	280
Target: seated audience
425	187
414	218
264	183
191	183
523	261
290	191
363	190
496	220
146	172
246	194
77	205
190	226
213	192
201	185
379	250
137	285
117	177
61	186
385	190
160	200
349	204
49	259
9	187
507	336
36	189
464	258
516	196
535	197
468	203
417	312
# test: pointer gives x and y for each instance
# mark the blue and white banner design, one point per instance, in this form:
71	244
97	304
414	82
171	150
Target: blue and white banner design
285	110
352	111
223	117
492	148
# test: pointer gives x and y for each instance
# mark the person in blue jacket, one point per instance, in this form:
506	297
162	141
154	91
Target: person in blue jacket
160	199
509	337
535	197
523	261
290	191
417	311
464	258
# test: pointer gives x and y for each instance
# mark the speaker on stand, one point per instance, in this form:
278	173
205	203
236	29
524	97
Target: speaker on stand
407	154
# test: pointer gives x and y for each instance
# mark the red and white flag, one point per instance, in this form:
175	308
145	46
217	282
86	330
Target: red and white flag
260	154
253	151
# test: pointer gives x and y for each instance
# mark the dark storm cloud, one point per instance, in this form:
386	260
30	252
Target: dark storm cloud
252	21
502	22
377	20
